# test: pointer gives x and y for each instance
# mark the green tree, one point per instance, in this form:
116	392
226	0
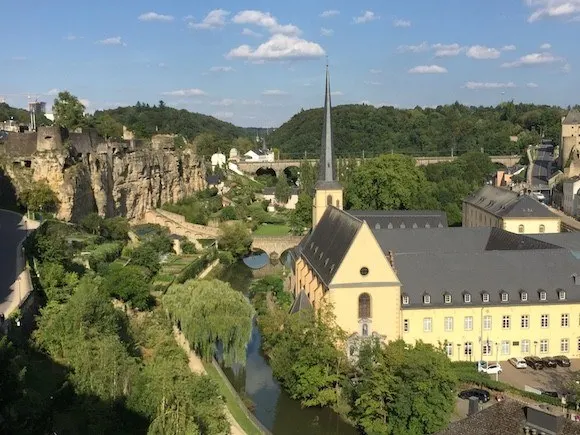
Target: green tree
40	197
301	216
235	238
147	256
211	313
128	283
307	177
108	127
68	111
283	191
92	223
116	228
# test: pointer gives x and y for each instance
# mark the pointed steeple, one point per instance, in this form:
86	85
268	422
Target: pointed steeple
327	170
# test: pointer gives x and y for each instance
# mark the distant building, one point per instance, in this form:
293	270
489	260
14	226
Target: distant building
218	159
270	195
11	125
215	181
504	178
570	200
259	155
501	208
570	144
234	155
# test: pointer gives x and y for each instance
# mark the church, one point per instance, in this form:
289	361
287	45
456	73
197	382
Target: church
478	293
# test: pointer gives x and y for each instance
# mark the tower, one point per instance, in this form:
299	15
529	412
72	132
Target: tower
327	191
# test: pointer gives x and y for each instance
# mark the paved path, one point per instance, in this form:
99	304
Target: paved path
541	168
14	285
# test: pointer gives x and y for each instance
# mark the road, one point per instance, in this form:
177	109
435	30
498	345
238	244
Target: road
12	232
542	166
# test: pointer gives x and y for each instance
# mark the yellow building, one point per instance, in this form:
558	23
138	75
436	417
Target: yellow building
502	208
570	140
480	293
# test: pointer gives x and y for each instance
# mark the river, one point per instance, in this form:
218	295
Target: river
275	409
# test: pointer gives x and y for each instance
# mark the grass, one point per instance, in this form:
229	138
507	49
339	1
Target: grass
272	230
234	407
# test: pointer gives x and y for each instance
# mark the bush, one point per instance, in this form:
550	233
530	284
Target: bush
188	247
105	253
145	255
226	258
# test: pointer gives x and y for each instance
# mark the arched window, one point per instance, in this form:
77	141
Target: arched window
329	200
542	229
364	306
521	229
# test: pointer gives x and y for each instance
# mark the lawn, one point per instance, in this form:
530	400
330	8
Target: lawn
272	230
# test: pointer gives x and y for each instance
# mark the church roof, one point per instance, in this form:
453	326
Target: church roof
573	117
395	219
300	303
506	203
326	246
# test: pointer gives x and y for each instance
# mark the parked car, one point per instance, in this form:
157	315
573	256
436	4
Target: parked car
518	363
562	361
482	395
534	362
491	369
550	393
549	362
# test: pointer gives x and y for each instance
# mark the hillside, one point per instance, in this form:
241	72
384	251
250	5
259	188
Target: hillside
7	112
419	131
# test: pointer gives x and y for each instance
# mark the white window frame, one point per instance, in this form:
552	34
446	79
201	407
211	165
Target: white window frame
487	349
427	324
447	298
525	346
485	297
564	345
544	346
405	325
449	349
468	323
467	298
468	348
525	319
524	296
426	299
505	297
545	320
564	320
562	295
487	323
448	324
405	300
506	322
505	347
543	295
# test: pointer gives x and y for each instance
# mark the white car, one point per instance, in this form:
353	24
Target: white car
518	363
491	369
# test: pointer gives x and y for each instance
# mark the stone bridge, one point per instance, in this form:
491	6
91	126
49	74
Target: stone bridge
275	245
280	165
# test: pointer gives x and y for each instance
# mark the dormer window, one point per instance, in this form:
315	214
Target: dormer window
467	298
447	298
405	300
562	295
485	297
326	262
504	297
426	299
523	296
543	295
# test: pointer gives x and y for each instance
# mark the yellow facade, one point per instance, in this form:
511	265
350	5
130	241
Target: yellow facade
322	199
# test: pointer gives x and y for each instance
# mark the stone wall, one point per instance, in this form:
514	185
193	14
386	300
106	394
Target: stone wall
177	225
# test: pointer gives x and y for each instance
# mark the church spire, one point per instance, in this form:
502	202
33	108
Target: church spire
327	171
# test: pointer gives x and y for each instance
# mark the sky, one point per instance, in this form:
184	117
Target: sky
257	63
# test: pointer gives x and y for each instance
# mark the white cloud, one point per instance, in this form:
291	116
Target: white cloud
251	102
161	65
274	92
279	47
375	71
533	59
214	20
266	20
326	32
366	17
552	9
428	69
566	68
489	85
221	69
115	40
223	115
329	13
71	37
447	50
336	93
545	46
510	47
423	46
250	32
52	92
224	102
373	83
402	23
85	102
194	92
154	16
532	85
482	52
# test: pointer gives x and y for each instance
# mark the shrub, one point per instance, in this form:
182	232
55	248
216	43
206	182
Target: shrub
105	253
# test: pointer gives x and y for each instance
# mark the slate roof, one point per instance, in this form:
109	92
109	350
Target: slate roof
300	303
569	241
506	203
573	117
213	180
325	247
395	219
504	418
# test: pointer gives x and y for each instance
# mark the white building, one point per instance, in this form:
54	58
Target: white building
218	159
270	195
571	202
260	155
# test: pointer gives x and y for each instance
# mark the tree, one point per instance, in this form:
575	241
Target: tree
68	111
40	197
211	313
128	283
283	191
388	182
108	127
147	256
307	177
92	223
301	216
235	238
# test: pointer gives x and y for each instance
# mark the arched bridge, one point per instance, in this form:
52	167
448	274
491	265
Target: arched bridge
278	245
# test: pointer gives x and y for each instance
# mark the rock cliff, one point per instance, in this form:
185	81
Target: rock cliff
89	174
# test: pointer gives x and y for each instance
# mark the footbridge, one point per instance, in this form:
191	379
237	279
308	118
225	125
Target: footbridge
275	245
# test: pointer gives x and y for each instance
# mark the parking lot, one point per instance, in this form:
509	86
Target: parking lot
549	379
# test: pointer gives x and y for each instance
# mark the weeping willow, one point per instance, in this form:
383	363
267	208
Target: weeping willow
211	313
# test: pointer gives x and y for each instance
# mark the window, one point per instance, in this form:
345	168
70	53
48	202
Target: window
542	229
485	297
564	321
329	200
523	296
544	320
544	346
405	300
427	324
578	343
520	228
525	346
364	271
486	348
504	297
426	299
487	323
449	348
564	345
505	322
562	295
466	298
468	348
542	295
468	323
365	330
525	321
406	325
448	324
447	298
505	347
364	306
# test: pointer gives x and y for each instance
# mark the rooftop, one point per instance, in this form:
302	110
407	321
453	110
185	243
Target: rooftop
401	219
573	117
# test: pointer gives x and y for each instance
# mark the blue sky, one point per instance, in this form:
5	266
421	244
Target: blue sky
256	63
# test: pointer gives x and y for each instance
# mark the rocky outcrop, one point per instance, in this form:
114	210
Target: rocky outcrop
126	178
